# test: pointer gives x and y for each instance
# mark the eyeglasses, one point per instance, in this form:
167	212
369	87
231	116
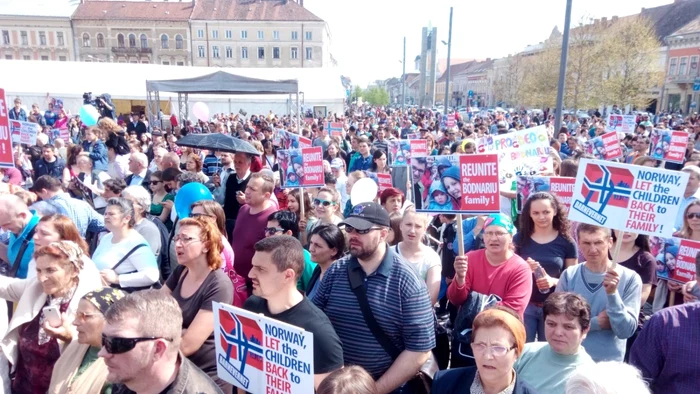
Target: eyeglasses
494	234
273	230
350	230
156	182
117	345
497	351
82	316
185	240
693	215
325	203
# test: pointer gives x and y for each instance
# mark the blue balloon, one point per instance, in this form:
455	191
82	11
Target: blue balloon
188	195
89	115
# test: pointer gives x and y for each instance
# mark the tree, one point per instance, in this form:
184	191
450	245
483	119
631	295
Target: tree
584	65
356	93
632	66
376	96
507	83
540	77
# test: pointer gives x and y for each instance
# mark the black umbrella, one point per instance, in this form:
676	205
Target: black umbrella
218	142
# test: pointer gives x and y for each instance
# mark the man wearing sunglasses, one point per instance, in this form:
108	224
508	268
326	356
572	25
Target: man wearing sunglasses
141	344
376	303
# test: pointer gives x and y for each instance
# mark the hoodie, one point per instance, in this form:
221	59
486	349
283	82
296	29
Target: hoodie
434	205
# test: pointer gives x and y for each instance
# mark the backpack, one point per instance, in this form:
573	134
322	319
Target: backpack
163	257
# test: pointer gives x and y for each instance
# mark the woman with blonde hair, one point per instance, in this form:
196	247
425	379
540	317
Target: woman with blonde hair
422	258
195	284
348	380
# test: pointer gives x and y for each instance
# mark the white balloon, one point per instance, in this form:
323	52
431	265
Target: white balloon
364	190
201	111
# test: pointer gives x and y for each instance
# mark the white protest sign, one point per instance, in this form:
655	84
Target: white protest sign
24	132
262	355
621	123
626	197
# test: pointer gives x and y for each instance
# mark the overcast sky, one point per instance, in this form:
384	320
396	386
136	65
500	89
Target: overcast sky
368	34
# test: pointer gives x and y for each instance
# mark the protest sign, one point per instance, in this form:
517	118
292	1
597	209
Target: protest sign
262	355
6	155
419	148
561	187
457	183
413	136
451	120
677	260
523	152
384	182
669	145
335	129
24	132
401	151
301	167
626	197
293	141
604	147
621	123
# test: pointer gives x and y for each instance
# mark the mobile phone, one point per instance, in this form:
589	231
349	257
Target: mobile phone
52	315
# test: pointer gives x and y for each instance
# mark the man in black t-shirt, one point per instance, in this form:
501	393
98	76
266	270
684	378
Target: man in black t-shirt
276	266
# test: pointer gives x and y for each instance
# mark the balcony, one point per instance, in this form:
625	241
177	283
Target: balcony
131	50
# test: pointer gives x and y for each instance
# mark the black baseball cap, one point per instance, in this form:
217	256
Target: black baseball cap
366	215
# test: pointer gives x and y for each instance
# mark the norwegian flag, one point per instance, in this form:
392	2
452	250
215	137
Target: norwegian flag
607	186
15	130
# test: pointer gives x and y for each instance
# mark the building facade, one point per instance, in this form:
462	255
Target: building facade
133	32
240	33
682	69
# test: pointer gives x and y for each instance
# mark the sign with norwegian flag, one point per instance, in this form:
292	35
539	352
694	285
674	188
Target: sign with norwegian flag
6	155
626	197
335	129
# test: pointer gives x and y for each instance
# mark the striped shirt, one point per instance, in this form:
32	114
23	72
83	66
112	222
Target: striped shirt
381	145
398	300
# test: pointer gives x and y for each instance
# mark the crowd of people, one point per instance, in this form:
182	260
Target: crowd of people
110	285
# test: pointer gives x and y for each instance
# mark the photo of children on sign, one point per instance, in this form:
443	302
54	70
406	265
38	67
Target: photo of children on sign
604	147
676	259
400	152
562	188
668	145
457	183
287	140
301	167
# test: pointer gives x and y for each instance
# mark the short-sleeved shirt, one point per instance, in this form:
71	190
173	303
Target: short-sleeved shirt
399	302
551	257
216	287
430	259
328	351
644	264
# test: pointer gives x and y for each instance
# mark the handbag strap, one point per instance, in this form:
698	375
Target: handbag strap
357	283
126	256
20	253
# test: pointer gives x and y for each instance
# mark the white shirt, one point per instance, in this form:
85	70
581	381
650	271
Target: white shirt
138	270
119	167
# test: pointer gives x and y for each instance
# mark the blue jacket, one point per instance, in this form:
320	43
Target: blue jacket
98	154
459	380
21	116
361	164
41	168
467	229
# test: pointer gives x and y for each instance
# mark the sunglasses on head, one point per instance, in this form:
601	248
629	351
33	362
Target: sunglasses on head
117	345
325	203
350	230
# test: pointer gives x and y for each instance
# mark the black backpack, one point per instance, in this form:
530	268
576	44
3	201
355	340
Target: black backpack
163	258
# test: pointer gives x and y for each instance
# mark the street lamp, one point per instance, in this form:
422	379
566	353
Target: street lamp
449	52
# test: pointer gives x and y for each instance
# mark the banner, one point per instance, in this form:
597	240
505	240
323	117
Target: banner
523	152
561	187
6	155
301	167
451	120
621	123
292	141
676	261
626	197
458	183
384	182
604	147
401	151
24	132
669	145
419	148
334	129
262	355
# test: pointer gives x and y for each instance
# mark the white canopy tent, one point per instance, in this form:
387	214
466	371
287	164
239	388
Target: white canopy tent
35	81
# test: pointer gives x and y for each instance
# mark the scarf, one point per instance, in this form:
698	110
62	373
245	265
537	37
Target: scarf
63	380
44	337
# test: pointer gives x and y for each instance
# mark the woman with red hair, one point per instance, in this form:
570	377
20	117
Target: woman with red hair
392	199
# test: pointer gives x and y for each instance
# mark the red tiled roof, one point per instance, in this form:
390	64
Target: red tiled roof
454	70
140	10
252	10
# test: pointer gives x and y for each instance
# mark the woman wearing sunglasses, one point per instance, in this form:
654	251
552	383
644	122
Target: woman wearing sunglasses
79	370
158	209
497	340
689	230
195	283
326	207
35	337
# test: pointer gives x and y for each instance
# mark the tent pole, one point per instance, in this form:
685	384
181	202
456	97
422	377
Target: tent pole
298	114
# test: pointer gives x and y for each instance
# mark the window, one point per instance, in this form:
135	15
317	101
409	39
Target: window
23	36
261	52
295	35
166	63
215	51
120	40
276	52
132	40
180	63
8	57
5	37
294	53
59	37
44	58
214	34
683	67
200	50
244	34
178	42
276	34
309	36
672	66
229	34
244	52
694	65
26	57
42	38
144	41
261	35
100	40
62	59
164	41
200	33
309	53
86	40
229	52
144	61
